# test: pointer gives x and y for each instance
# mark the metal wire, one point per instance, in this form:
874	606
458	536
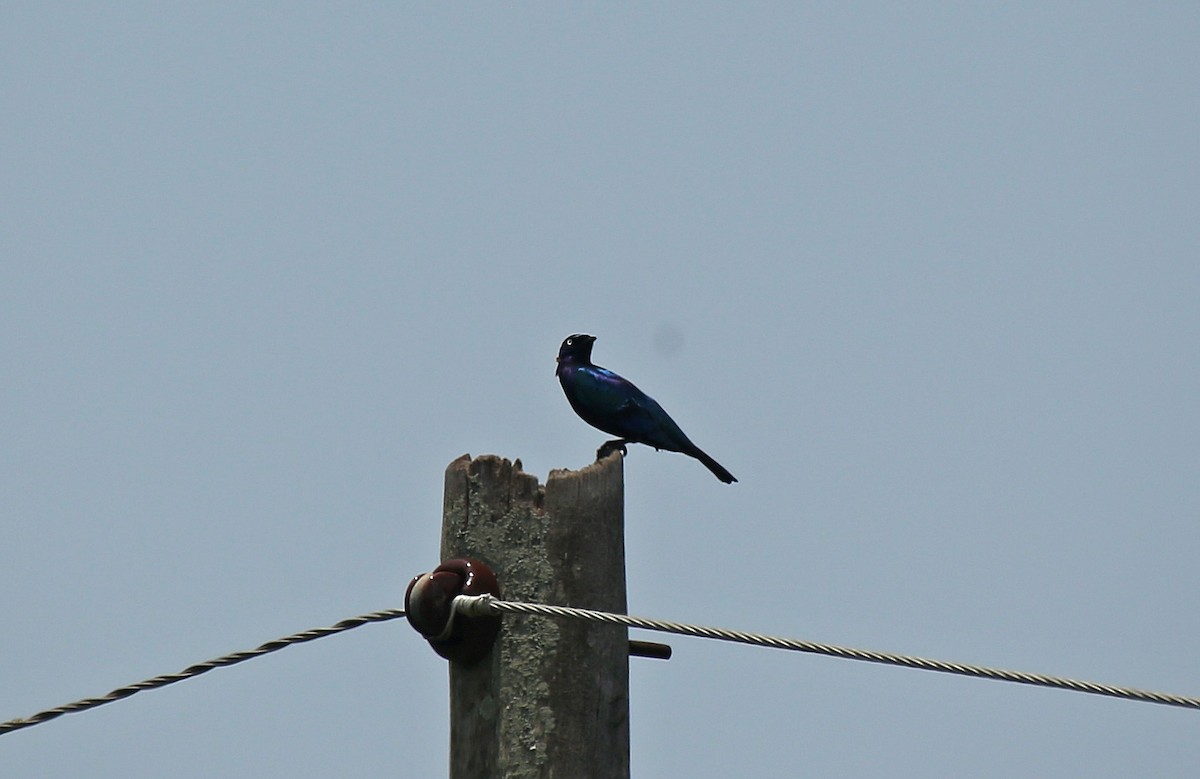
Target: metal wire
487	605
199	668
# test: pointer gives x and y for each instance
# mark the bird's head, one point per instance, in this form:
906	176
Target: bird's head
576	348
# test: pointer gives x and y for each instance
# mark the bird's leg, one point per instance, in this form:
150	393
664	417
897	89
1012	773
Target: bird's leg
608	447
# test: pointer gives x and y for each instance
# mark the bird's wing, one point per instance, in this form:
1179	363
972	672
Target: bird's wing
615	405
600	390
649	424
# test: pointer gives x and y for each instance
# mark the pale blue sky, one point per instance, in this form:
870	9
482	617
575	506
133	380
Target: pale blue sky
924	277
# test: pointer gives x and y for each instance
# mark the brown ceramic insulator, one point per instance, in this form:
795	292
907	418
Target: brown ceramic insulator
465	640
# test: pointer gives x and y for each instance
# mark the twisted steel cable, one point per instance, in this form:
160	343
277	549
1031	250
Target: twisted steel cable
472	605
487	605
199	668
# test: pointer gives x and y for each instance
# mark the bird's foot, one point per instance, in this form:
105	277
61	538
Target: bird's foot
608	447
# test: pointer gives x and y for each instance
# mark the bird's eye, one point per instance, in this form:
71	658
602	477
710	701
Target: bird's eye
570	341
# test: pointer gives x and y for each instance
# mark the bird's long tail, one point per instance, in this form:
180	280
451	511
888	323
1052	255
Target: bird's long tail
714	466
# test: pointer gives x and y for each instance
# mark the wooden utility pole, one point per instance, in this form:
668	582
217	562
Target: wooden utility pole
552	699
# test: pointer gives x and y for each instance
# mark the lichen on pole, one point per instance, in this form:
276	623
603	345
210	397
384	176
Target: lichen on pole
552	699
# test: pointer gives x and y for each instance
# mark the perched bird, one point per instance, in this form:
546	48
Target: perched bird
606	401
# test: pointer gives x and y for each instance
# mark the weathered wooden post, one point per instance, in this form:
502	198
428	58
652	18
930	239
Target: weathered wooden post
552	699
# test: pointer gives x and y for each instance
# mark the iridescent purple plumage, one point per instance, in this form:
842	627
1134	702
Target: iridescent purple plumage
613	404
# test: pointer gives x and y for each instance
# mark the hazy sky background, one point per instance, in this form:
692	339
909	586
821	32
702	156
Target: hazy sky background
924	277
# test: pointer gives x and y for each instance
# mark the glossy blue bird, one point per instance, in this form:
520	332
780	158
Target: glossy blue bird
606	401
